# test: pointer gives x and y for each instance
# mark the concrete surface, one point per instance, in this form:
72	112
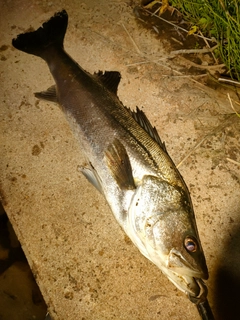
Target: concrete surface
84	264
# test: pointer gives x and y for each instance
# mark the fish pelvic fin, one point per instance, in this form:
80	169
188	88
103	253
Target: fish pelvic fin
119	164
51	33
92	176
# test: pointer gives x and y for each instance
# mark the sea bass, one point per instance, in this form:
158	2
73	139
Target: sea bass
127	161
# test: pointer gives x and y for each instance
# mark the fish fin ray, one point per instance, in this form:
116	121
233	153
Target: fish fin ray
110	79
51	33
91	175
119	164
50	94
140	117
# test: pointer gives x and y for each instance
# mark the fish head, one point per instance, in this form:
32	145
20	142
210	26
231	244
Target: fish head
163	227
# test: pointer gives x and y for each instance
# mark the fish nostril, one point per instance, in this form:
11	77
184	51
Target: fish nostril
190	244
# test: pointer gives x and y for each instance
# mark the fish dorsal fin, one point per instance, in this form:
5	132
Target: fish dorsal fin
50	94
110	79
119	164
143	121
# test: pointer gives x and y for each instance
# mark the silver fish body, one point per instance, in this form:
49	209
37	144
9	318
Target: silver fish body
128	163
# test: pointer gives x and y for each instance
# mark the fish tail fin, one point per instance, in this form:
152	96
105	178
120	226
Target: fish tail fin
51	33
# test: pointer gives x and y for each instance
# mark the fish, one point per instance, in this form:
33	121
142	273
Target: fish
126	161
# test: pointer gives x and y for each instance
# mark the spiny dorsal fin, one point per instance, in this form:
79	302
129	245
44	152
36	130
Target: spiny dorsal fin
143	121
50	94
119	164
110	79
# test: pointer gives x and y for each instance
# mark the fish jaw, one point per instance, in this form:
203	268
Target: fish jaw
160	219
194	288
182	275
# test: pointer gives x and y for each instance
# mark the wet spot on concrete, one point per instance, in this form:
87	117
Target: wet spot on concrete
3	47
68	295
101	252
36	150
127	239
156	296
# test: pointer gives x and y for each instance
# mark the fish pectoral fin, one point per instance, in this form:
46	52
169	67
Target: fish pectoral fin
110	79
92	176
50	94
119	164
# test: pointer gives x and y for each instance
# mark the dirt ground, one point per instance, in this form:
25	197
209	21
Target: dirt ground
84	264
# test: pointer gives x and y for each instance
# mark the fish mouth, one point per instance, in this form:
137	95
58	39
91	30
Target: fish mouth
202	296
185	277
194	288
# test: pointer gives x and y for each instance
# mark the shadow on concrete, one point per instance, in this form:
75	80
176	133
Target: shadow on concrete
20	297
227	285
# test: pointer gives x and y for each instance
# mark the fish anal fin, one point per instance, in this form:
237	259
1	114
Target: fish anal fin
140	117
50	94
119	164
110	79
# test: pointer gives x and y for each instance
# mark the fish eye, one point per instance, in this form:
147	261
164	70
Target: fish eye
190	244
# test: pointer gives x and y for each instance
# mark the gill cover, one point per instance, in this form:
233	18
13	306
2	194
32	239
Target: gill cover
161	225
